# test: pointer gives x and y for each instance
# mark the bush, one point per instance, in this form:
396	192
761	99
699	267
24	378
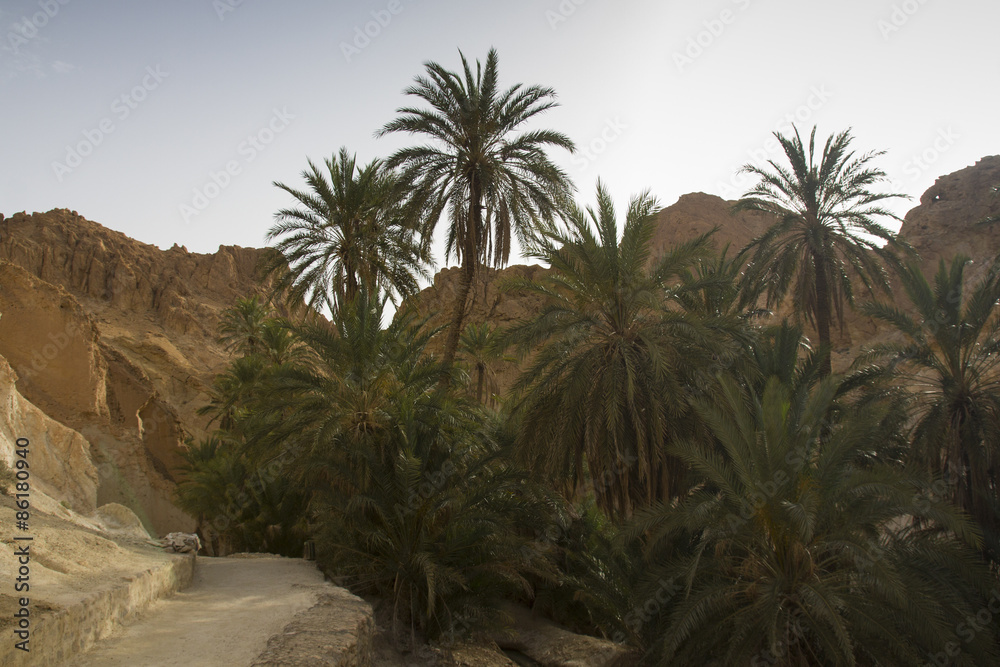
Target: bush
433	530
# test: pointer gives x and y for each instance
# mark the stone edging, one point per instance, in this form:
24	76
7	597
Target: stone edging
337	631
64	634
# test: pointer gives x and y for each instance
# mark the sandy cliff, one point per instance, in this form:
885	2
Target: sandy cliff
115	339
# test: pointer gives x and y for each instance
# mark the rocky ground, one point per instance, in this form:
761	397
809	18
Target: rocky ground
71	556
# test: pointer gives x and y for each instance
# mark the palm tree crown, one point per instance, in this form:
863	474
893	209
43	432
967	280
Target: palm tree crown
493	182
797	547
349	230
603	386
827	228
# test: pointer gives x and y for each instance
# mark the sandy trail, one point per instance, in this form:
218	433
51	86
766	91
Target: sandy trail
223	619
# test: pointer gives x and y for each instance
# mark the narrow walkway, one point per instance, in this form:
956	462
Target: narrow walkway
223	619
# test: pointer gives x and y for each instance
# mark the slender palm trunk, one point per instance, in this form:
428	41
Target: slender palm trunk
352	286
481	370
823	314
470	262
457	318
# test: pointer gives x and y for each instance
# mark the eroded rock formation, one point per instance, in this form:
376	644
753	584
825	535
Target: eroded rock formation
115	339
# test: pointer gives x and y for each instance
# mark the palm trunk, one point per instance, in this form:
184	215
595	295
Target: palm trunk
823	315
457	320
470	261
481	370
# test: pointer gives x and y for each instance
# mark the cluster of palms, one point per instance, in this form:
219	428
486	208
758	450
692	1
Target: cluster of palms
673	469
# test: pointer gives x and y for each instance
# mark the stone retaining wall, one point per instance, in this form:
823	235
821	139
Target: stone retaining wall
59	636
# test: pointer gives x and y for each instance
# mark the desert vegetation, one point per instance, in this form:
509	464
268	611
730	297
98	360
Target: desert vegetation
678	467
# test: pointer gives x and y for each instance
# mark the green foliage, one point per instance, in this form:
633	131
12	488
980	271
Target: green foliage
238	483
241	326
350	230
598	572
481	349
604	392
411	499
701	486
798	546
949	364
826	229
491	182
434	531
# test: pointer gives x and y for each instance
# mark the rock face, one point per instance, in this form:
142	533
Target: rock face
179	289
115	339
698	213
947	220
59	457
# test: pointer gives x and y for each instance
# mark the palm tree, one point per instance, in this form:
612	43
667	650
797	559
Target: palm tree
826	230
436	531
350	229
242	325
411	500
494	182
480	344
714	289
949	359
360	377
605	388
796	546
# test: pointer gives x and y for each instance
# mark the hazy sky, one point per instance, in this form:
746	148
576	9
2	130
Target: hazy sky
169	121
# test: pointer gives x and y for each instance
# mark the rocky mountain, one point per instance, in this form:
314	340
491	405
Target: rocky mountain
107	345
950	216
115	340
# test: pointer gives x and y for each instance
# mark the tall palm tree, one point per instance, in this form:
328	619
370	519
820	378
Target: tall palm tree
494	181
797	547
605	388
350	229
827	229
949	359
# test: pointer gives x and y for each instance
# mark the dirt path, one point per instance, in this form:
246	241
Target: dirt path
224	618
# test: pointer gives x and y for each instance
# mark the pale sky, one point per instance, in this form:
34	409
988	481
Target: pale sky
169	121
